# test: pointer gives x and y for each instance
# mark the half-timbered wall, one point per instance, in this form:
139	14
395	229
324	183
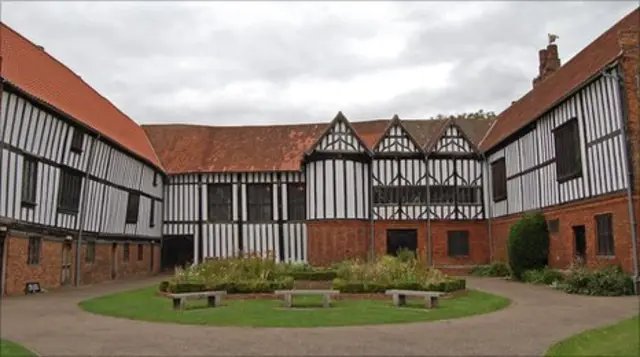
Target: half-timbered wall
531	161
108	174
186	213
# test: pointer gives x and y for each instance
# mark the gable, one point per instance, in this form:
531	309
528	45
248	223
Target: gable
340	137
453	140
397	140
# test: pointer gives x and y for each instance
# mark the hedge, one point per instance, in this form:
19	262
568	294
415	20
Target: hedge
236	287
319	275
607	281
363	287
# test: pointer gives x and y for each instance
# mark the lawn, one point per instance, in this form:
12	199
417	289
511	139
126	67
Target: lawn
11	349
144	304
620	339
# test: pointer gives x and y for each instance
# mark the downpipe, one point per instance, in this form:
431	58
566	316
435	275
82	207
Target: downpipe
619	77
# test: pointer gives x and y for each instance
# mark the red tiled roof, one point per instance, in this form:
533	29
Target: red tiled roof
196	148
32	70
592	59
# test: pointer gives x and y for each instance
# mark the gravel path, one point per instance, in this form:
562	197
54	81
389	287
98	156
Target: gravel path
52	325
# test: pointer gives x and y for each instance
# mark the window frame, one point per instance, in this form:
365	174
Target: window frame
389	194
567	142
29	181
465	249
214	207
297	202
475	194
499	180
553	225
605	239
34	251
133	200
152	214
447	191
69	202
408	193
77	140
257	201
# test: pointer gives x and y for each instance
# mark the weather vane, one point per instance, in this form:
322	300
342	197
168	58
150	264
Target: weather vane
552	38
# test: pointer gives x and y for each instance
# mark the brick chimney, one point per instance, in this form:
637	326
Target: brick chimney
549	63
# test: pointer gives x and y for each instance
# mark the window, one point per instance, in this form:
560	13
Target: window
69	193
132	207
604	230
553	225
568	157
499	180
33	251
260	202
125	252
152	214
140	252
458	243
413	195
296	205
29	181
76	140
90	257
386	195
155	179
442	194
220	199
469	195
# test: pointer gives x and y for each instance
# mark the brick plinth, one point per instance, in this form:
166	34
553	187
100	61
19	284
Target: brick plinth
333	241
562	243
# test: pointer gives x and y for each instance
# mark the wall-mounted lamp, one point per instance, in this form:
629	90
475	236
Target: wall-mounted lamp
68	238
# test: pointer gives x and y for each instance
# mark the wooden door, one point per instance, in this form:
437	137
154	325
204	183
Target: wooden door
580	241
66	263
114	260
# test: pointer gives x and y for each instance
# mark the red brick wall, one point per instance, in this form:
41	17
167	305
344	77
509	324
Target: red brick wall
478	242
336	240
562	245
49	272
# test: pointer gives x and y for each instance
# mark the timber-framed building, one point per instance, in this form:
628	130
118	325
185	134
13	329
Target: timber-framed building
87	195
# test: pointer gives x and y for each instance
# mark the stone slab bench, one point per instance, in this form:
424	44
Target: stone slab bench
288	295
214	298
431	298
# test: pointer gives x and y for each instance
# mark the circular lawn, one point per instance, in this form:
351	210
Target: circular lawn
145	304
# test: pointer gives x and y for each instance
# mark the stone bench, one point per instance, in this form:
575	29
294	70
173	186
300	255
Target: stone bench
214	298
431	298
288	295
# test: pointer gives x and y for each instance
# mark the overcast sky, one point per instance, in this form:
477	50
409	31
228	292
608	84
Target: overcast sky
256	63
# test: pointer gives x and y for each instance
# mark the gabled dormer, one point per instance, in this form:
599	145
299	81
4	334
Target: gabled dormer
339	140
396	140
452	141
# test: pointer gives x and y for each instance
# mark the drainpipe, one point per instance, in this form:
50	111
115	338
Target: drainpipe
83	213
371	221
487	200
619	77
429	241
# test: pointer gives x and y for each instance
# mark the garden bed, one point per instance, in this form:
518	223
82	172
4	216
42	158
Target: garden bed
342	296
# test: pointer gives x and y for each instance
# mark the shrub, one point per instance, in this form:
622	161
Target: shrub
364	287
544	276
164	286
495	269
608	281
528	244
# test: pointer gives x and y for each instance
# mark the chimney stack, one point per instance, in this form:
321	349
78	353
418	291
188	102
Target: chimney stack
549	61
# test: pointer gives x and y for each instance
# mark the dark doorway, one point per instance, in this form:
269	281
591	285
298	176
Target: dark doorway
114	261
398	239
176	251
580	243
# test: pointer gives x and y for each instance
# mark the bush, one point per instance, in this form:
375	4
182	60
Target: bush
495	269
528	244
544	276
363	287
320	275
164	286
238	287
608	281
